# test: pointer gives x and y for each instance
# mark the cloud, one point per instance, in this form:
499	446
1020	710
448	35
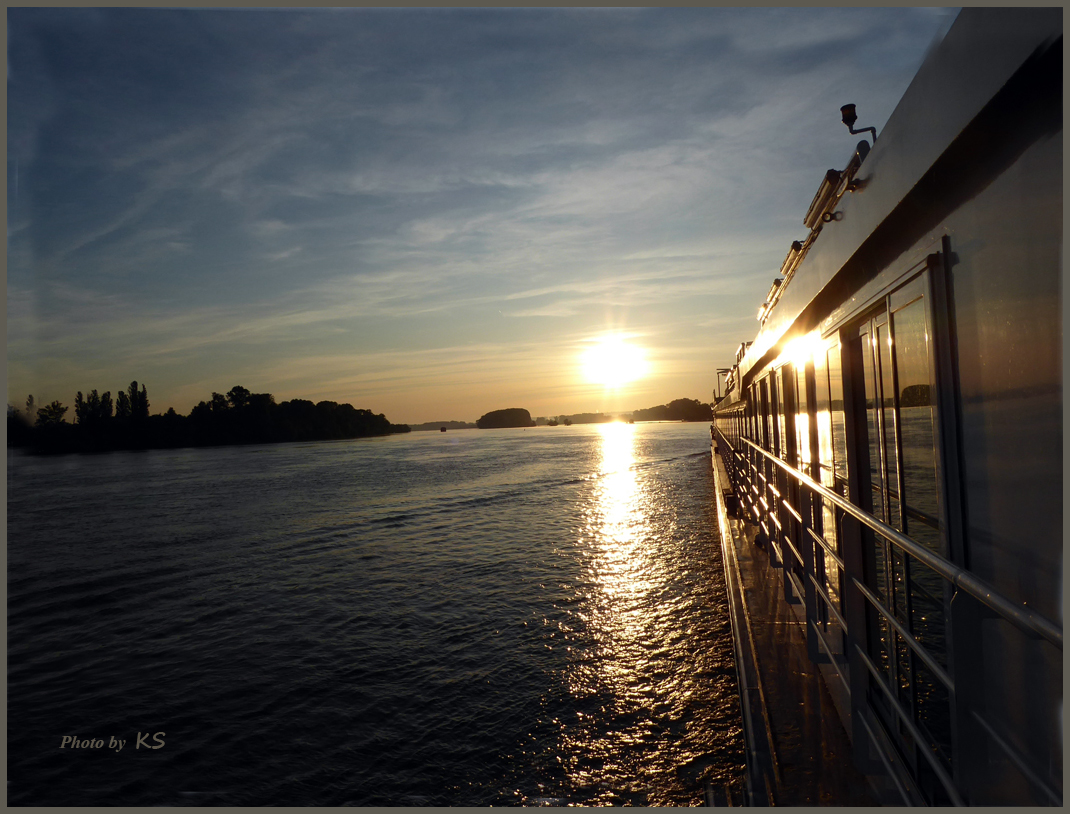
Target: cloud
210	190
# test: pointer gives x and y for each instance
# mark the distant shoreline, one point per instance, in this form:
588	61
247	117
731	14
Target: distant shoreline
436	426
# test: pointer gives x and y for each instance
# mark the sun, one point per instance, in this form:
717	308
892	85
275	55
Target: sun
613	362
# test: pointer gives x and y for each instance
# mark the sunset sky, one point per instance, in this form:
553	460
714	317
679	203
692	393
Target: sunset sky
426	213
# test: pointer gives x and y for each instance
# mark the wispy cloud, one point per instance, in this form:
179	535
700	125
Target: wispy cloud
418	196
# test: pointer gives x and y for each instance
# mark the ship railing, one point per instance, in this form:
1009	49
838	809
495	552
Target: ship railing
1026	619
755	474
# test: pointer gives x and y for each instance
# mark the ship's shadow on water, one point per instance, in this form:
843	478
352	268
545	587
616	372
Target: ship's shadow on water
485	618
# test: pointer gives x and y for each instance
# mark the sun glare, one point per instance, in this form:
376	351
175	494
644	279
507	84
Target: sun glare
612	362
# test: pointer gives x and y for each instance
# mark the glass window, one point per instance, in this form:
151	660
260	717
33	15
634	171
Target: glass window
869	370
839	427
802	422
888	423
783	382
827	473
767	418
824	420
903	472
920	493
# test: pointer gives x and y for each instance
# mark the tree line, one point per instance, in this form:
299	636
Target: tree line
676	410
239	417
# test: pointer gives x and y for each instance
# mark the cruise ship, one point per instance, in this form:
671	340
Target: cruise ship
889	449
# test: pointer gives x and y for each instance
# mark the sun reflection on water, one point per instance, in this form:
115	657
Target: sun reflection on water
645	720
619	524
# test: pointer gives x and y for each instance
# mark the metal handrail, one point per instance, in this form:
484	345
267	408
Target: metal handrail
922	743
817	538
743	466
1022	617
919	649
919	739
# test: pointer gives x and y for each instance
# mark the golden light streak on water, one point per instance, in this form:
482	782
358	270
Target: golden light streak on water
621	565
631	614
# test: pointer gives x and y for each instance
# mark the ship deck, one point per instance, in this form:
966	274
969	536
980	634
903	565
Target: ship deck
798	752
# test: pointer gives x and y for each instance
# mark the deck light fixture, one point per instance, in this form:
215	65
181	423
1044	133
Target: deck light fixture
850	117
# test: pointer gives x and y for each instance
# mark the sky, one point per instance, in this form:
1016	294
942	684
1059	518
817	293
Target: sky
429	214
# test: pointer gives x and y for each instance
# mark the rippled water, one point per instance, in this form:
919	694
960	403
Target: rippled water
468	618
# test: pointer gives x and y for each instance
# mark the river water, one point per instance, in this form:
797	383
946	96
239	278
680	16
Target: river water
465	618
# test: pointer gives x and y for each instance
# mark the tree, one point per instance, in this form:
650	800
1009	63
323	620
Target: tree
122	406
51	415
238	397
31	410
139	402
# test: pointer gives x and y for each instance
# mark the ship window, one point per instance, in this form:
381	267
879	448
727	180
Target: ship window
839	431
824	421
748	397
917	435
776	400
903	490
755	415
767	419
825	408
784	381
802	422
888	424
869	373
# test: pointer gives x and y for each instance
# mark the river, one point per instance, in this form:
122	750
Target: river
477	617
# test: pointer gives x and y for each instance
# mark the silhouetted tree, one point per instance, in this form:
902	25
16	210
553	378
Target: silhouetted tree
240	417
259	418
238	397
51	414
139	402
94	409
122	407
676	410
